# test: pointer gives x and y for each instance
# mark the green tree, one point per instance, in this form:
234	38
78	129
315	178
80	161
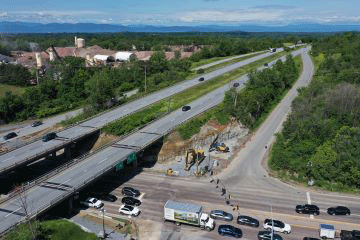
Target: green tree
100	89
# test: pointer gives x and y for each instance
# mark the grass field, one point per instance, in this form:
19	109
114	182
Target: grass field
15	89
53	229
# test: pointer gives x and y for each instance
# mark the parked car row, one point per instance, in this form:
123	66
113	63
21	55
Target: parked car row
269	225
313	209
272	225
130	202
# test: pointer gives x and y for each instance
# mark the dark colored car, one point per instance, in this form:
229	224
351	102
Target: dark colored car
186	108
266	64
339	210
201	79
266	235
228	230
131	192
307	209
35	124
310	238
246	220
221	215
103	196
131	201
10	135
236	84
49	136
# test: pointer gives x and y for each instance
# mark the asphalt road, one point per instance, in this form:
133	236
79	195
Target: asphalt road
222	61
131	107
63	184
31	151
249	185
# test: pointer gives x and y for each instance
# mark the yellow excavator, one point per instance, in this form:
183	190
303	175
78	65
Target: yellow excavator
220	147
193	156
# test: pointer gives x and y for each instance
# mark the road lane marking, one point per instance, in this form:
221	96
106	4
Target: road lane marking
308	197
141	196
8	159
13	212
309	202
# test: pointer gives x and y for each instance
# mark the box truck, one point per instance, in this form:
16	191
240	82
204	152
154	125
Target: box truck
188	213
327	231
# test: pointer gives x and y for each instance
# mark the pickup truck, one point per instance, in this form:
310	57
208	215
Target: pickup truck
92	202
350	235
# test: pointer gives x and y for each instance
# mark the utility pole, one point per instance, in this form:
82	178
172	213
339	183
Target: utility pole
145	78
272	223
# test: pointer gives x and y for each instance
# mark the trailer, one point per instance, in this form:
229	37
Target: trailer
187	213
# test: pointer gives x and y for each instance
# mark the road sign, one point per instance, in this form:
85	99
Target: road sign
119	166
131	157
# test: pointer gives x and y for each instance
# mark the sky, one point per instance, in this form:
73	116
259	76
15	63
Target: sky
182	12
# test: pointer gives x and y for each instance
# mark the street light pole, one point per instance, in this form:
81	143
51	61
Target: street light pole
103	213
145	78
272	224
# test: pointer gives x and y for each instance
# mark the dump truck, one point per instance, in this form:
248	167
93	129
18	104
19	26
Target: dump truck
327	231
350	235
187	213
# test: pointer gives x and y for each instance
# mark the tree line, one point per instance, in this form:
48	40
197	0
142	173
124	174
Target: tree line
320	139
263	89
68	84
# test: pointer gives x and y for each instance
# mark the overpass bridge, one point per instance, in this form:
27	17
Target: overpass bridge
37	150
66	183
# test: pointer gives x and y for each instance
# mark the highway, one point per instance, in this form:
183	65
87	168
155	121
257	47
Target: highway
32	151
249	185
224	60
65	183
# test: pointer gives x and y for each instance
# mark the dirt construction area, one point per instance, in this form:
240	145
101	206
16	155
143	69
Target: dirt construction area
171	159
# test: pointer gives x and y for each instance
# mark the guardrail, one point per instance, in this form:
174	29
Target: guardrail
101	172
42	153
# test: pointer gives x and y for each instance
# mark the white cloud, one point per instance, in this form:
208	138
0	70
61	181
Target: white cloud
223	16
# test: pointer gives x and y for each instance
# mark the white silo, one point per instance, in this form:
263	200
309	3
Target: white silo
52	56
80	42
39	61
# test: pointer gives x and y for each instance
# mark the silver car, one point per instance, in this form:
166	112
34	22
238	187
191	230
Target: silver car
221	215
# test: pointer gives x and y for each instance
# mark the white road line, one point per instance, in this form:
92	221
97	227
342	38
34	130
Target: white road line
8	159
103	160
309	202
13	211
141	196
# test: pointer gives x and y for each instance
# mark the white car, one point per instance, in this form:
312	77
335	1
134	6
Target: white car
129	210
92	202
278	226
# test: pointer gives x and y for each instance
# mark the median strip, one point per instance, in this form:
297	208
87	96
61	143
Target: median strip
160	109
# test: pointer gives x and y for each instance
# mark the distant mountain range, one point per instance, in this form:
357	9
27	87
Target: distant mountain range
25	27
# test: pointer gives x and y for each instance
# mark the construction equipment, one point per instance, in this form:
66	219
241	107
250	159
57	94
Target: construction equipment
193	156
221	147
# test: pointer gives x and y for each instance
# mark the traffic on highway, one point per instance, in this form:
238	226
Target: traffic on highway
253	206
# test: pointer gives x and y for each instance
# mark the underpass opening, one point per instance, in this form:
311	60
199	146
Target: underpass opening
55	161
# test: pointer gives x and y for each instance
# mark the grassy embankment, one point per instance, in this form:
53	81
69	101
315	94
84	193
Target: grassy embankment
157	110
